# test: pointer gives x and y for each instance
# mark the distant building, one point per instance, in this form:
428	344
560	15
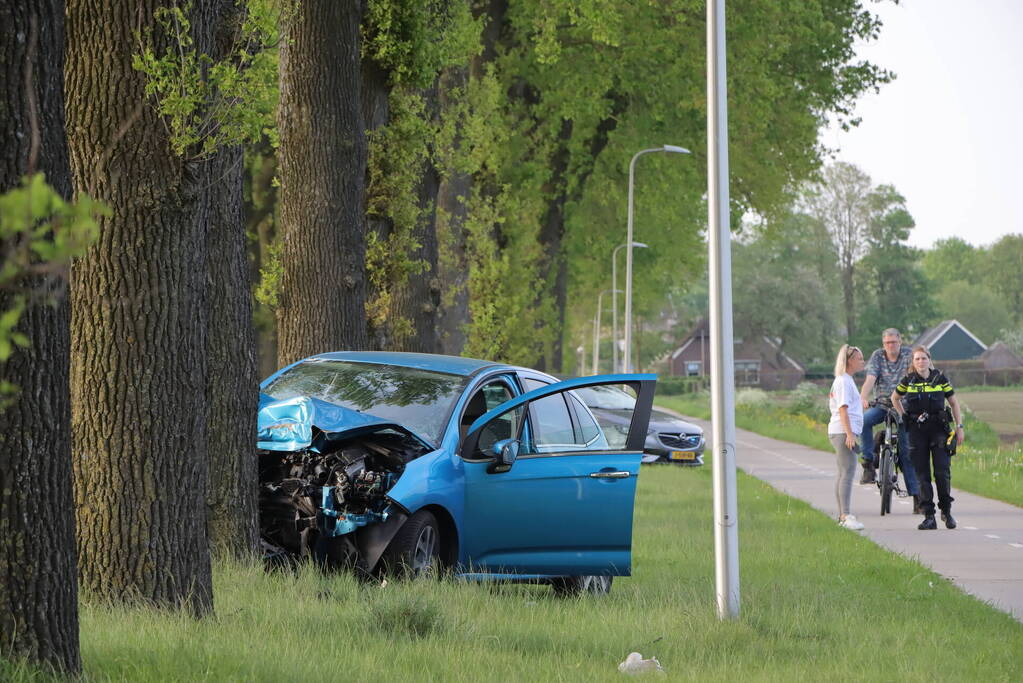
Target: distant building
759	362
950	340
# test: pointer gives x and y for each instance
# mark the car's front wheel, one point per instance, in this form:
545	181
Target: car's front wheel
415	550
567	586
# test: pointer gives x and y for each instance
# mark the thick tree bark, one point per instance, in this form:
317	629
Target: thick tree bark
322	161
232	384
138	343
232	389
38	590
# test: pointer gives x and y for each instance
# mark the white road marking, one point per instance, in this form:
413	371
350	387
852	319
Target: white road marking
992	536
971	528
1016	545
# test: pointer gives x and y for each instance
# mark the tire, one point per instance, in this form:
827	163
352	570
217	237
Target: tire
885	480
415	550
570	586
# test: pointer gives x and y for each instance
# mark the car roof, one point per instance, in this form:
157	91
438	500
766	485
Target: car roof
452	365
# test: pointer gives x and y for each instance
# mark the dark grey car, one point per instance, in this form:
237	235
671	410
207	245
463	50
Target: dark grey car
668	439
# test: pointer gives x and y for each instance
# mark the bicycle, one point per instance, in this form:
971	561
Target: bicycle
888	456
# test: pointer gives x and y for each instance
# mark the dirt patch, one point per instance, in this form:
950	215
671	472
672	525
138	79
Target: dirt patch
1003	410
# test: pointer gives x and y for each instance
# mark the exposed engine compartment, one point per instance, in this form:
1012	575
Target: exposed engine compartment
328	491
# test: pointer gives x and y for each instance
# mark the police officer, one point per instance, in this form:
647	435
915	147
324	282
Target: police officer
925	391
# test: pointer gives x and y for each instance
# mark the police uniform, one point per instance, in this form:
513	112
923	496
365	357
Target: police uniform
929	431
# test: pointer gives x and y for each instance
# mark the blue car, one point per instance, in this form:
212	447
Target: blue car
408	463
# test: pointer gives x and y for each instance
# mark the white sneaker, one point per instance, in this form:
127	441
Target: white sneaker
850	522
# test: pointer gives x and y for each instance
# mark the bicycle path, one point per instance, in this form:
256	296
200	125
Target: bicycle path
983	556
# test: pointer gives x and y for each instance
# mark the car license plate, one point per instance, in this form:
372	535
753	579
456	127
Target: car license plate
683	455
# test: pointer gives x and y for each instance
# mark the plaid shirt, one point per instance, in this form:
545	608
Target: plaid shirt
888	373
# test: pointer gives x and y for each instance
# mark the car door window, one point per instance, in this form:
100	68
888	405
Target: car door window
486	398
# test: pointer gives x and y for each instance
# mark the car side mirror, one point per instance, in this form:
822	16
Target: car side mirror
505	453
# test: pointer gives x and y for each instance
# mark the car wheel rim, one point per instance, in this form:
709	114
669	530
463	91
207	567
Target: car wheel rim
426	546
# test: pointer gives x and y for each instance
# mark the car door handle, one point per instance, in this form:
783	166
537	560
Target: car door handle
610	475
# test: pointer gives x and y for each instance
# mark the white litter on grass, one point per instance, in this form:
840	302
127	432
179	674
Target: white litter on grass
635	664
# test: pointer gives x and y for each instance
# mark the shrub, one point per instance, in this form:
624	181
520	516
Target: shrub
810	400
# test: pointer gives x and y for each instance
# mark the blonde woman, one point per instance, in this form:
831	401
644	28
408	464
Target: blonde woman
846	422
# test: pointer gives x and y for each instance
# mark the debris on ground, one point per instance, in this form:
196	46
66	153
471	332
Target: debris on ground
635	664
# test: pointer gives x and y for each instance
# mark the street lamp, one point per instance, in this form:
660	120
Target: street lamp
627	349
614	302
596	331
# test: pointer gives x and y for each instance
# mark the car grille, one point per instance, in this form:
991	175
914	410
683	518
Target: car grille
682	441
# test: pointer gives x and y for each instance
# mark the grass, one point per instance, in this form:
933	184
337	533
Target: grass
984	465
817	603
1003	410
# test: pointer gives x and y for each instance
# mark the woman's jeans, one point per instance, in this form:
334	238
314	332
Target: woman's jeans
873	417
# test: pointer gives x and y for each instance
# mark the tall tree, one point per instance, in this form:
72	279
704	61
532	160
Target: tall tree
322	162
138	343
841	202
786	288
1005	272
38	590
232	383
893	291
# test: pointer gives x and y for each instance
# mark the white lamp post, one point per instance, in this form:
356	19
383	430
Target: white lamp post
627	348
614	300
596	331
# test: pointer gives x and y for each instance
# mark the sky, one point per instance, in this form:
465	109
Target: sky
948	132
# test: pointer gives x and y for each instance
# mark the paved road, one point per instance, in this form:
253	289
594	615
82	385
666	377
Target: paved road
984	556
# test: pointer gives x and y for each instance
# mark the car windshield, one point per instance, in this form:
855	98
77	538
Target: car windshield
418	400
606	398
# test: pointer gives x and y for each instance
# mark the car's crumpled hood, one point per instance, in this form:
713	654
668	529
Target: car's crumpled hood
287	424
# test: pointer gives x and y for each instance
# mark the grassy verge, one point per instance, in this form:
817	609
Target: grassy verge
984	465
814	599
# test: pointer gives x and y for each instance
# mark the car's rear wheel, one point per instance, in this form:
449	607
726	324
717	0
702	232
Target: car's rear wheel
416	550
568	586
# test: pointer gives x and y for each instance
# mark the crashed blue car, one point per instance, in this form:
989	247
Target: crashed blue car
411	463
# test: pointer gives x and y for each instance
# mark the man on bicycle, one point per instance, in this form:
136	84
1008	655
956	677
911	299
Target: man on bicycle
887	365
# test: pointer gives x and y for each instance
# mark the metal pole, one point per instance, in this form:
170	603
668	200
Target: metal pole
726	531
614	309
614	299
626	349
596	330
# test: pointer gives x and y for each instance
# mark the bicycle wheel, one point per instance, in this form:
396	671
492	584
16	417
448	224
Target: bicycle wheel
885	477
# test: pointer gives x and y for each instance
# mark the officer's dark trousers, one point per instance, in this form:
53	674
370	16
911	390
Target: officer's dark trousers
927	446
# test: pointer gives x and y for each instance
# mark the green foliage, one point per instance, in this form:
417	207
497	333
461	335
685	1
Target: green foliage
398	154
414	41
892	289
40	234
206	101
951	259
270	273
982	311
811	400
1004	270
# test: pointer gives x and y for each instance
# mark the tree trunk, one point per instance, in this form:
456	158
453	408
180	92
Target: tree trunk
376	113
322	161
418	298
232	389
232	392
138	343
38	591
452	275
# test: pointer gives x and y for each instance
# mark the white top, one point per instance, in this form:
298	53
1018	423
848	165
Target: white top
844	393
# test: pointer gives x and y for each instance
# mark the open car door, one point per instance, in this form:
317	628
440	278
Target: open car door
548	490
